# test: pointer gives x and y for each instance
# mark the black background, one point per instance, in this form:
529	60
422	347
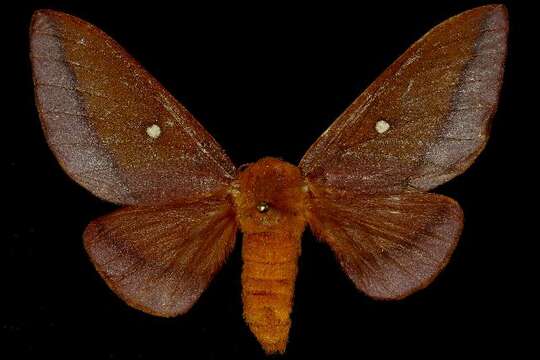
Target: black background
264	80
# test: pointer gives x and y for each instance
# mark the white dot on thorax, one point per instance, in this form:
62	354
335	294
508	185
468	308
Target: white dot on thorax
153	131
382	126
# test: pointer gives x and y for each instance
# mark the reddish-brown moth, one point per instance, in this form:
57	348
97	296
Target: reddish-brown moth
361	187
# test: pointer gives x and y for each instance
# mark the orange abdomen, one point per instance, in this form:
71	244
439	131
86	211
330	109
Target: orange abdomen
268	277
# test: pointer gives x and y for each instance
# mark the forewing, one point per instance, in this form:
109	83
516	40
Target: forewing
426	118
112	126
159	260
389	245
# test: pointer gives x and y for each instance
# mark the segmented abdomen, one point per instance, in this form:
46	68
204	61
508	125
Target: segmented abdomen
268	276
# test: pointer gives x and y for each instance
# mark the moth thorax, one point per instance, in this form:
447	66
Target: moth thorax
269	195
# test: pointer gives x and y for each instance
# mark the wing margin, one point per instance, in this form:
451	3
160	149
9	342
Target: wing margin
390	245
160	259
96	104
438	99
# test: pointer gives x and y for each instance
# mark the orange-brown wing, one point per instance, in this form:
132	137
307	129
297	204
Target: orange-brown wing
426	118
159	260
389	245
112	126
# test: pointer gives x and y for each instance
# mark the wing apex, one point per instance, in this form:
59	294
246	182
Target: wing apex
436	101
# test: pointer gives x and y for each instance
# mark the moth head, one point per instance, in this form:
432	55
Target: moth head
269	195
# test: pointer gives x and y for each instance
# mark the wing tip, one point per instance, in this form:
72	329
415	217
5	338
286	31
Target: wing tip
49	13
43	18
495	14
490	8
41	15
498	8
499	14
45	21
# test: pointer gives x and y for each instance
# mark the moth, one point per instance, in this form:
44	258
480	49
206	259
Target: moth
362	187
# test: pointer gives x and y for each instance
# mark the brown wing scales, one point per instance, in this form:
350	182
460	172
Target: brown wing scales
160	259
419	124
437	100
390	245
96	104
116	131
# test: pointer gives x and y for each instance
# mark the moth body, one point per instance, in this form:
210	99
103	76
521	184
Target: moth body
268	277
116	131
270	200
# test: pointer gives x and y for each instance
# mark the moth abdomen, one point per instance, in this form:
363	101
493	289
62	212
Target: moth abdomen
268	277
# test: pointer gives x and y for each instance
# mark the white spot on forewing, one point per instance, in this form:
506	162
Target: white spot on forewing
153	131
382	126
